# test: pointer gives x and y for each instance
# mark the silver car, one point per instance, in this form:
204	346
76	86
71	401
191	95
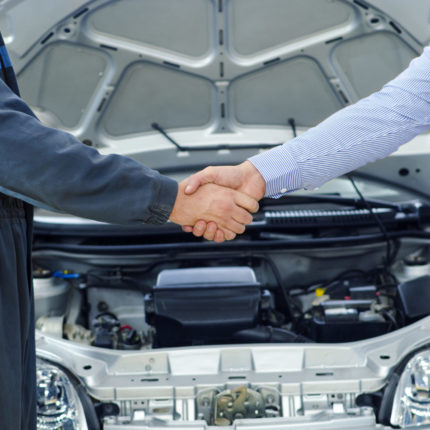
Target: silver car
318	317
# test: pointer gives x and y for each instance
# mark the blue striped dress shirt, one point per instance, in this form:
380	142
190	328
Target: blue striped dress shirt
361	133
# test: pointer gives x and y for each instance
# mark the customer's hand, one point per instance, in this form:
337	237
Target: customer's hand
243	177
228	209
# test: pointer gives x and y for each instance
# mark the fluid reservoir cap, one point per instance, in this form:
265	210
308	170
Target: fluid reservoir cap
66	275
39	273
319	292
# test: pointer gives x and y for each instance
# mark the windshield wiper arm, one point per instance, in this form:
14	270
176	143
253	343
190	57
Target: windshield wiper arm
155	126
181	148
292	123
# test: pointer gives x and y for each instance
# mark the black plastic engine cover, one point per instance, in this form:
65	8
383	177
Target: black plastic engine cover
203	305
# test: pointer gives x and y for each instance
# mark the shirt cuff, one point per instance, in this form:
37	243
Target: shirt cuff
280	171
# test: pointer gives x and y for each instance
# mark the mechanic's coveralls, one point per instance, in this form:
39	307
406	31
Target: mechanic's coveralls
52	167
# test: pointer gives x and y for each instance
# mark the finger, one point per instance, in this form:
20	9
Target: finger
233	226
187	228
210	232
199	228
198	179
228	234
227	213
246	202
219	236
241	216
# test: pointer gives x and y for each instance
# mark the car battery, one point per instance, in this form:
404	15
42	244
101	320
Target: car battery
348	318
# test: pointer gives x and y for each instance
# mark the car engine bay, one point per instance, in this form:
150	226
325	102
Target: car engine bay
334	285
199	304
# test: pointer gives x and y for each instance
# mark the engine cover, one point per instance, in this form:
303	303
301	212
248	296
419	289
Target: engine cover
202	305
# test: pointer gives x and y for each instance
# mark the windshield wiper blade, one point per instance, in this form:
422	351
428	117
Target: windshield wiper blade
182	148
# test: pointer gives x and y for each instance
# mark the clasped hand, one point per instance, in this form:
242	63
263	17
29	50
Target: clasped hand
217	202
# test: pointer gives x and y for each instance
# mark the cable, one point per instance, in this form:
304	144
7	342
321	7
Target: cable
378	221
278	278
392	320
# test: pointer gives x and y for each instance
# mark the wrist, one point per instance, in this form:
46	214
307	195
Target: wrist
254	177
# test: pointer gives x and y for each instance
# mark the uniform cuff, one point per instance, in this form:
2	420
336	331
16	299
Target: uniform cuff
164	200
280	171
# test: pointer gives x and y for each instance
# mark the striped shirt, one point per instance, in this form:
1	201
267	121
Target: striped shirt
361	133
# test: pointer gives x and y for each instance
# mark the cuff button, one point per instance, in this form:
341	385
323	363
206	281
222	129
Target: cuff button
283	190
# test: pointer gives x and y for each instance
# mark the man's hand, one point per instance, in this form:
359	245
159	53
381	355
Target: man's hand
243	177
228	209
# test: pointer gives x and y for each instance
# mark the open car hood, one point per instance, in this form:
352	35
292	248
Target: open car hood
207	71
210	72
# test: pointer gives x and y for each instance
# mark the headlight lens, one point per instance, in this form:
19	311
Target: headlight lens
411	406
58	404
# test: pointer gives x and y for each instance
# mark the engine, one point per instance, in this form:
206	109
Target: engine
224	305
204	305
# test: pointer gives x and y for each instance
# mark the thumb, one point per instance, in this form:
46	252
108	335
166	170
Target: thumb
192	186
198	179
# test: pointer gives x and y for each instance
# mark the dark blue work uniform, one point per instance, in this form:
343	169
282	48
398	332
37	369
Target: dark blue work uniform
54	168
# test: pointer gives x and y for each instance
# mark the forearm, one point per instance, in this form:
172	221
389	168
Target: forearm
369	130
54	168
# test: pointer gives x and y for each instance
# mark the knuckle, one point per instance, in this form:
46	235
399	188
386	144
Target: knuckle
211	229
197	232
208	172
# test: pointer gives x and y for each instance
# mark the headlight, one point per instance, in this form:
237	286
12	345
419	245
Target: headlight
411	406
58	404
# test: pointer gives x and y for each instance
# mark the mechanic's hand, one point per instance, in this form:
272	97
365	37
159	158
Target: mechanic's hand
244	177
228	209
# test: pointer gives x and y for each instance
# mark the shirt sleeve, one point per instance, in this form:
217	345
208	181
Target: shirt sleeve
361	133
53	167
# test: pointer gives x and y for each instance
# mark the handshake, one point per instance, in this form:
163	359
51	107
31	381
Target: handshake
217	202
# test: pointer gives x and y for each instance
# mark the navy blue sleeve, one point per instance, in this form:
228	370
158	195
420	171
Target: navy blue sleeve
53	167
